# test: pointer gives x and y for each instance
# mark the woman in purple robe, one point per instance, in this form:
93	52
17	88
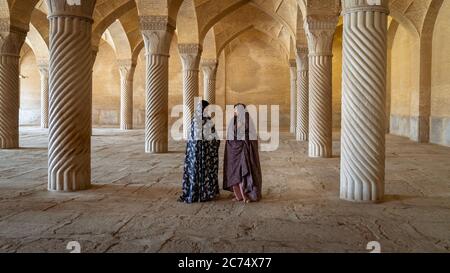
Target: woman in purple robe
242	169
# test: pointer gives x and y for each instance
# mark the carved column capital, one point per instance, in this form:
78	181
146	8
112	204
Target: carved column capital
64	8
292	63
320	33
293	69
350	6
190	56
209	68
157	32
11	41
302	58
126	69
43	65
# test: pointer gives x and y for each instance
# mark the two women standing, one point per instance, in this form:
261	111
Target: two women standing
242	169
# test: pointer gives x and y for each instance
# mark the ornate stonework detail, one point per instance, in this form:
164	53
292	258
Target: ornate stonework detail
126	69
43	69
157	32
302	94
70	85
190	57
302	58
354	6
10	45
11	41
209	68
293	118
63	8
320	31
363	102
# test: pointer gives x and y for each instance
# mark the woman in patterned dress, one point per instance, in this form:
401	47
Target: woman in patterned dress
201	165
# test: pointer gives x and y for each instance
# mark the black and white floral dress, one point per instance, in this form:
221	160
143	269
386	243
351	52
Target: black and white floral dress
201	165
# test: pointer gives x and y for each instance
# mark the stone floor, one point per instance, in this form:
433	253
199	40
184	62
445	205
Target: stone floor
132	206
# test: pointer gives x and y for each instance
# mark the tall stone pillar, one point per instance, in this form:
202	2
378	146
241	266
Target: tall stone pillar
363	100
320	31
11	42
209	78
302	94
157	32
190	56
91	85
293	70
70	79
126	68
43	69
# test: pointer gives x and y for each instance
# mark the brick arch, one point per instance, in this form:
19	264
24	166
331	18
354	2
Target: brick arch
209	46
37	43
120	41
253	28
20	13
208	19
246	18
187	24
101	24
285	20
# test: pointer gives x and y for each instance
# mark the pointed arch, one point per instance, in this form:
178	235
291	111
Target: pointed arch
209	46
35	41
112	15
119	38
187	24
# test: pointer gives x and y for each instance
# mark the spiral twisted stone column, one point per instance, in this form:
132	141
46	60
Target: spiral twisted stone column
43	69
157	32
126	68
320	31
302	94
190	56
209	68
363	102
11	41
69	167
293	72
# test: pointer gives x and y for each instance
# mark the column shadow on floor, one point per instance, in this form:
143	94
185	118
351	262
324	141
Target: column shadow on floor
395	198
30	149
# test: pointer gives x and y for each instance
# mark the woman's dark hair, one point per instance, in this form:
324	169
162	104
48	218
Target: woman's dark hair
240	104
204	105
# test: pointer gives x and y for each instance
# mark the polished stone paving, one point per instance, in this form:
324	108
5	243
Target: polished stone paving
132	205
